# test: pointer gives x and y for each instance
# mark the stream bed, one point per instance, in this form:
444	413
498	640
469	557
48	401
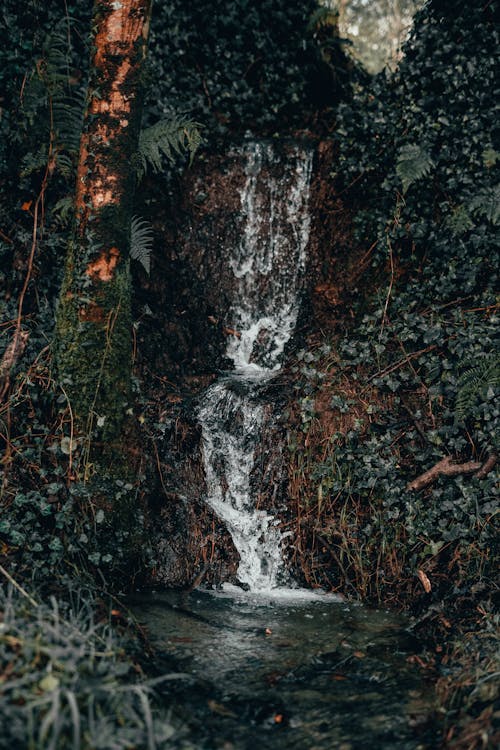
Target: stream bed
289	671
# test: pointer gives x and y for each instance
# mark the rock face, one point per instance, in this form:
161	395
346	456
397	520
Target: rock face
235	272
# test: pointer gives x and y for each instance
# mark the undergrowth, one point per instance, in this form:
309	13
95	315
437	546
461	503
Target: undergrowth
68	678
411	384
395	428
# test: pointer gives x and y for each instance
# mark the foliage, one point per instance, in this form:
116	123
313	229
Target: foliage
469	688
167	138
412	164
239	65
141	242
415	379
68	683
478	381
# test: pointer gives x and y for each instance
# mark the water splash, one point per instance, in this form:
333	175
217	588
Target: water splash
269	262
268	266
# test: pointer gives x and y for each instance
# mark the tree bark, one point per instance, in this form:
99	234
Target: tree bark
93	328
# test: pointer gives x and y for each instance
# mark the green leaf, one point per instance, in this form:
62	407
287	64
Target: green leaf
490	157
459	221
413	163
141	242
487	203
167	138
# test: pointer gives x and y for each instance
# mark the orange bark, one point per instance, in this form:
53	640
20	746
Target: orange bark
121	26
105	265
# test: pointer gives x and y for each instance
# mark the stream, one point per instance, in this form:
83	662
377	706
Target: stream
268	664
289	672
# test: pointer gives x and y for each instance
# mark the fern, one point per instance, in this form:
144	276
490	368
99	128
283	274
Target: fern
459	221
62	212
478	381
487	203
490	157
141	242
413	162
166	138
52	99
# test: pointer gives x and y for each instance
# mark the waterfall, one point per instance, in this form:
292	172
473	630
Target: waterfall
268	265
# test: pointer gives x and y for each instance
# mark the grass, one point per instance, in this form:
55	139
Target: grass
69	680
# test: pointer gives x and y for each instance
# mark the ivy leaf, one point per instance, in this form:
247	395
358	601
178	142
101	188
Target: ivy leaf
413	162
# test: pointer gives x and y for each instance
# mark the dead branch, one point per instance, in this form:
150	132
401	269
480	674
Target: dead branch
446	467
488	465
11	355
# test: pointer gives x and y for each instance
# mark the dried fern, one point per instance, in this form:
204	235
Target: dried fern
413	162
166	139
480	380
141	242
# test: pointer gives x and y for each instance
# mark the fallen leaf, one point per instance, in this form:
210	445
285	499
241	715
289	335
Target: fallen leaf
26	205
49	683
278	718
424	581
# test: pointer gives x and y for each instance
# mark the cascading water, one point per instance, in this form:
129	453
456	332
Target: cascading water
268	266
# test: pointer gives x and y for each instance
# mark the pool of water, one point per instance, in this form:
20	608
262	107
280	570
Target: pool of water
290	672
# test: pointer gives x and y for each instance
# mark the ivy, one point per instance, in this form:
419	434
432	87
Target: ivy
416	376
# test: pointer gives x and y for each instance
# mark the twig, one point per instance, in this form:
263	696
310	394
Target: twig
11	355
18	586
405	360
444	467
389	290
5	238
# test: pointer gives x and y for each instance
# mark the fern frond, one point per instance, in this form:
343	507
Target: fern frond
33	162
167	138
459	221
141	242
413	162
487	203
62	212
490	157
481	380
52	100
68	119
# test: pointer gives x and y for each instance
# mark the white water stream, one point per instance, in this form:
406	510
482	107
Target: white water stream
268	266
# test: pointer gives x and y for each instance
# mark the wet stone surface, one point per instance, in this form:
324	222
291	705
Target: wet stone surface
288	672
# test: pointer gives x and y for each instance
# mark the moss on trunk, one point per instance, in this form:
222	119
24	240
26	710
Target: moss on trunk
93	328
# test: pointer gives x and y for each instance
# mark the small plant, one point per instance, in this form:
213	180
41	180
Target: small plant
67	683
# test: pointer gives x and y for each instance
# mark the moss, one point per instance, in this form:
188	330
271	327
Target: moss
93	353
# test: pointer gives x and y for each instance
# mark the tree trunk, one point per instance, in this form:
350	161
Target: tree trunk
93	327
